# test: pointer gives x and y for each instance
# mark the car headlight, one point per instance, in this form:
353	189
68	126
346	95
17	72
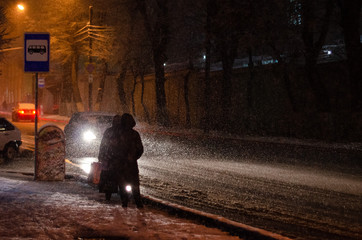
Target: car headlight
89	136
128	188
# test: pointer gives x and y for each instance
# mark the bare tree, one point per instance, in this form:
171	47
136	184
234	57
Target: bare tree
186	93
312	24
121	81
103	36
140	63
66	47
279	32
351	21
187	44
228	29
156	20
133	90
210	13
197	41
66	92
100	92
4	39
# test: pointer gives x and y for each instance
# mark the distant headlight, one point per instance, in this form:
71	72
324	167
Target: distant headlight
89	136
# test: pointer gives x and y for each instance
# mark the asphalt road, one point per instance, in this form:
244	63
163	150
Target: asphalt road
298	191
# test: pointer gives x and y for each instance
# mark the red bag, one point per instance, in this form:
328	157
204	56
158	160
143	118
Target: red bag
95	173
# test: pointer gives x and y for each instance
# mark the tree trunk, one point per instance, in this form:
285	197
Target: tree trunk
159	34
147	114
161	111
284	68
287	85
250	80
186	95
207	91
312	50
135	75
228	55
207	88
76	94
120	87
66	94
97	106
351	12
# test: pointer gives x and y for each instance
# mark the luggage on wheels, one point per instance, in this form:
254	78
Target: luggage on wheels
95	173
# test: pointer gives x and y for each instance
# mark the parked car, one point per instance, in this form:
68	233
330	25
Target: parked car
23	111
84	132
10	139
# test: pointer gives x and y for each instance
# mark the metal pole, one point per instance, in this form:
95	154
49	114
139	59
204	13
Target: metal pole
90	77
36	126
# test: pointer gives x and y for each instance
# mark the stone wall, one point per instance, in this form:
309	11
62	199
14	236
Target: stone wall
271	112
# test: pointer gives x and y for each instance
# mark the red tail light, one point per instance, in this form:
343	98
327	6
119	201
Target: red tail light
22	111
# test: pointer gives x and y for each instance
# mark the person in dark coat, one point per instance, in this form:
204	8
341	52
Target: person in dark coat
120	149
107	157
132	149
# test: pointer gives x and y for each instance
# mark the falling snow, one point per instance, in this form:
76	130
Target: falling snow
297	188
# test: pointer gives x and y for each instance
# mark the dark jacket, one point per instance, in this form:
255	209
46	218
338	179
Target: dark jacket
132	148
109	144
120	149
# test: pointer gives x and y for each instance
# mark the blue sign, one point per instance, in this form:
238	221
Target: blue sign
41	82
36	52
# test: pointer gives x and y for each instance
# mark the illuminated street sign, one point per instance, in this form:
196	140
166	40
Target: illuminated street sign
36	52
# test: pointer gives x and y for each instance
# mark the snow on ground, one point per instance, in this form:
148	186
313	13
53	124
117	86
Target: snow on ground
72	209
82	212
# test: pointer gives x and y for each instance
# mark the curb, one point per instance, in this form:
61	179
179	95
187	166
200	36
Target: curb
207	219
66	177
211	220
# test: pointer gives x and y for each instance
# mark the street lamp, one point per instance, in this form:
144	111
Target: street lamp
21	7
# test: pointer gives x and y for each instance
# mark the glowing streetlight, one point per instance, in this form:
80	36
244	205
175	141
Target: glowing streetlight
21	7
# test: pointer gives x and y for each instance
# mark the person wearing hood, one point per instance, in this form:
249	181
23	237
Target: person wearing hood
120	149
132	146
107	158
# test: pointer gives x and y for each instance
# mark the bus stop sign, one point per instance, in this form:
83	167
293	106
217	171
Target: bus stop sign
36	52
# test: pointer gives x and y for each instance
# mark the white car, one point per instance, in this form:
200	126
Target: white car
23	111
10	139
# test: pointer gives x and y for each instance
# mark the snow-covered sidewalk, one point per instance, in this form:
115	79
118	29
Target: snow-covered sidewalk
73	210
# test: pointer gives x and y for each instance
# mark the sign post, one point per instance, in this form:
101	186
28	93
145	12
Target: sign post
36	59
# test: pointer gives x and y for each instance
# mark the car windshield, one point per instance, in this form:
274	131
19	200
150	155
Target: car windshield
98	119
5	125
93	119
26	106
